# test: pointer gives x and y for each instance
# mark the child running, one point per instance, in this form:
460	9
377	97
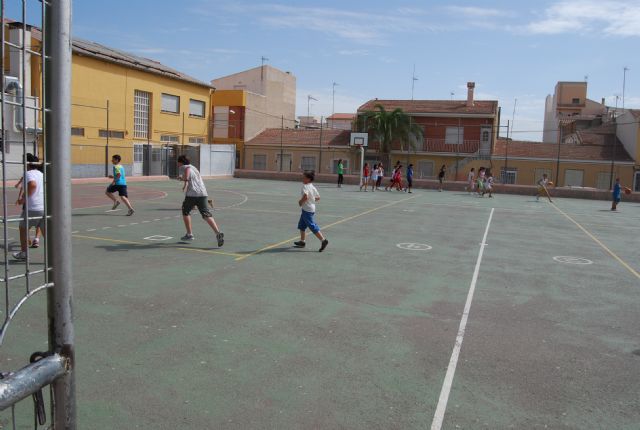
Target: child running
365	177
542	187
480	180
32	201
307	202
195	195
470	180
35	243
119	184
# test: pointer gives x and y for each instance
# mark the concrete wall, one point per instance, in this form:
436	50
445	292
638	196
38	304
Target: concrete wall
327	157
526	190
627	131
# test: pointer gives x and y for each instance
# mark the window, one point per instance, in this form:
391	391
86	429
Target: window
141	114
170	104
508	176
575	101
604	181
425	169
169	138
77	131
454	135
308	163
221	121
259	162
113	134
573	178
196	139
196	108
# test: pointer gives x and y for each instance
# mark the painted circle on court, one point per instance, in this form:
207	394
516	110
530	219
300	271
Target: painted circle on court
572	260
414	246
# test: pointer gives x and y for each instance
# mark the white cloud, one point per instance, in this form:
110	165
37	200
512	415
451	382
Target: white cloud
478	12
610	17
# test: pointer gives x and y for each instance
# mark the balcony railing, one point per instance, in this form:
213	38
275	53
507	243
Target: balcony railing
440	145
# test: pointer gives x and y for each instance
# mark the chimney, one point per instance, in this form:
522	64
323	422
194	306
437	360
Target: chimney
470	88
603	102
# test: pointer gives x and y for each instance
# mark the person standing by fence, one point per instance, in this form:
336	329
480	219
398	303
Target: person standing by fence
340	173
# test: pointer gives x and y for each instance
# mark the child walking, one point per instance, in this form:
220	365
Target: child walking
365	177
409	178
307	202
616	195
374	177
119	184
470	180
443	170
488	185
480	180
380	177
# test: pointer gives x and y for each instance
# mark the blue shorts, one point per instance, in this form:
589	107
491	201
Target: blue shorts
307	221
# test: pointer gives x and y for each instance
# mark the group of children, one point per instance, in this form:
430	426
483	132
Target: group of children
375	177
482	183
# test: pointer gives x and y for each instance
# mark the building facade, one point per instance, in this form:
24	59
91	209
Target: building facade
299	150
249	102
341	121
456	132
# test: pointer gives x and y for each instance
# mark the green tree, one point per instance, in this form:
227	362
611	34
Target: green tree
387	127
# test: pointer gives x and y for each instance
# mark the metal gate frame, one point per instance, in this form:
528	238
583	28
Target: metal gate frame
56	367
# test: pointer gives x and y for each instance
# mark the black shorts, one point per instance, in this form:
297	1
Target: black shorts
410	182
121	189
200	202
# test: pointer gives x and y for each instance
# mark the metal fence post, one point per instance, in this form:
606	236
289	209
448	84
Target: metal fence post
57	46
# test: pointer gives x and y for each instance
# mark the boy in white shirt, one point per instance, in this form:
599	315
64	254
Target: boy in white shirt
32	201
307	202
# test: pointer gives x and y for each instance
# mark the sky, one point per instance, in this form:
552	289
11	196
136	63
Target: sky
511	49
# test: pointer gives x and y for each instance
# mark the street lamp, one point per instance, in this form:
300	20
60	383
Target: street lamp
333	98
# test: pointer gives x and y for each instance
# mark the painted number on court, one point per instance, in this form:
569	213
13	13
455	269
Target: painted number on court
158	237
414	246
572	260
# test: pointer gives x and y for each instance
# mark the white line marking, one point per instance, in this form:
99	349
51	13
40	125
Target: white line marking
167	217
438	417
156	219
121	225
75	232
133	223
106	228
144	222
91	229
158	237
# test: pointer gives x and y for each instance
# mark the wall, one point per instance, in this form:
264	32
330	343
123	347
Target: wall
297	152
94	82
627	130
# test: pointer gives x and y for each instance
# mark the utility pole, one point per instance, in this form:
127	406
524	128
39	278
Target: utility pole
413	80
624	83
333	98
309	98
281	138
320	157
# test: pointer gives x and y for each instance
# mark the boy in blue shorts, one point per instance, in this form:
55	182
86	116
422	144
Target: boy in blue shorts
119	184
307	202
616	195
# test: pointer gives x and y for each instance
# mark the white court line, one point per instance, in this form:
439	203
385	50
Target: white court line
438	416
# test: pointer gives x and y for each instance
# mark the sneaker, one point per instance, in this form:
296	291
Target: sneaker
324	245
220	238
20	255
210	201
131	212
187	237
300	244
115	205
35	243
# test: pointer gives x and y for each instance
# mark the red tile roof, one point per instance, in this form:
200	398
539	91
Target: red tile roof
330	137
600	152
341	116
480	107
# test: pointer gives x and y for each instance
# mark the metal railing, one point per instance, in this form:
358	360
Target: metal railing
30	272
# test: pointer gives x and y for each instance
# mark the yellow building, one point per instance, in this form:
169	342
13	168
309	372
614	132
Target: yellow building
132	106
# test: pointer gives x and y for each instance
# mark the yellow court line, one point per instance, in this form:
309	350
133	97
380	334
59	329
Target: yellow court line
602	245
275	245
206	251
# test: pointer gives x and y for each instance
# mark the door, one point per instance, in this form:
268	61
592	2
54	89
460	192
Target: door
285	164
485	141
636	181
138	159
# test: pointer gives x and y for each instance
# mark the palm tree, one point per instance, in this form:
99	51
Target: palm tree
389	126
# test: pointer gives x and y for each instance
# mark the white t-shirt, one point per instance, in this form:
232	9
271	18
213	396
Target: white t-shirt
36	200
470	177
310	204
195	185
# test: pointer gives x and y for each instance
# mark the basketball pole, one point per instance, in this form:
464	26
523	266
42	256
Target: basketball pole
361	163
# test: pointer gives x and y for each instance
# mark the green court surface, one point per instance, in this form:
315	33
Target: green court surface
439	310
